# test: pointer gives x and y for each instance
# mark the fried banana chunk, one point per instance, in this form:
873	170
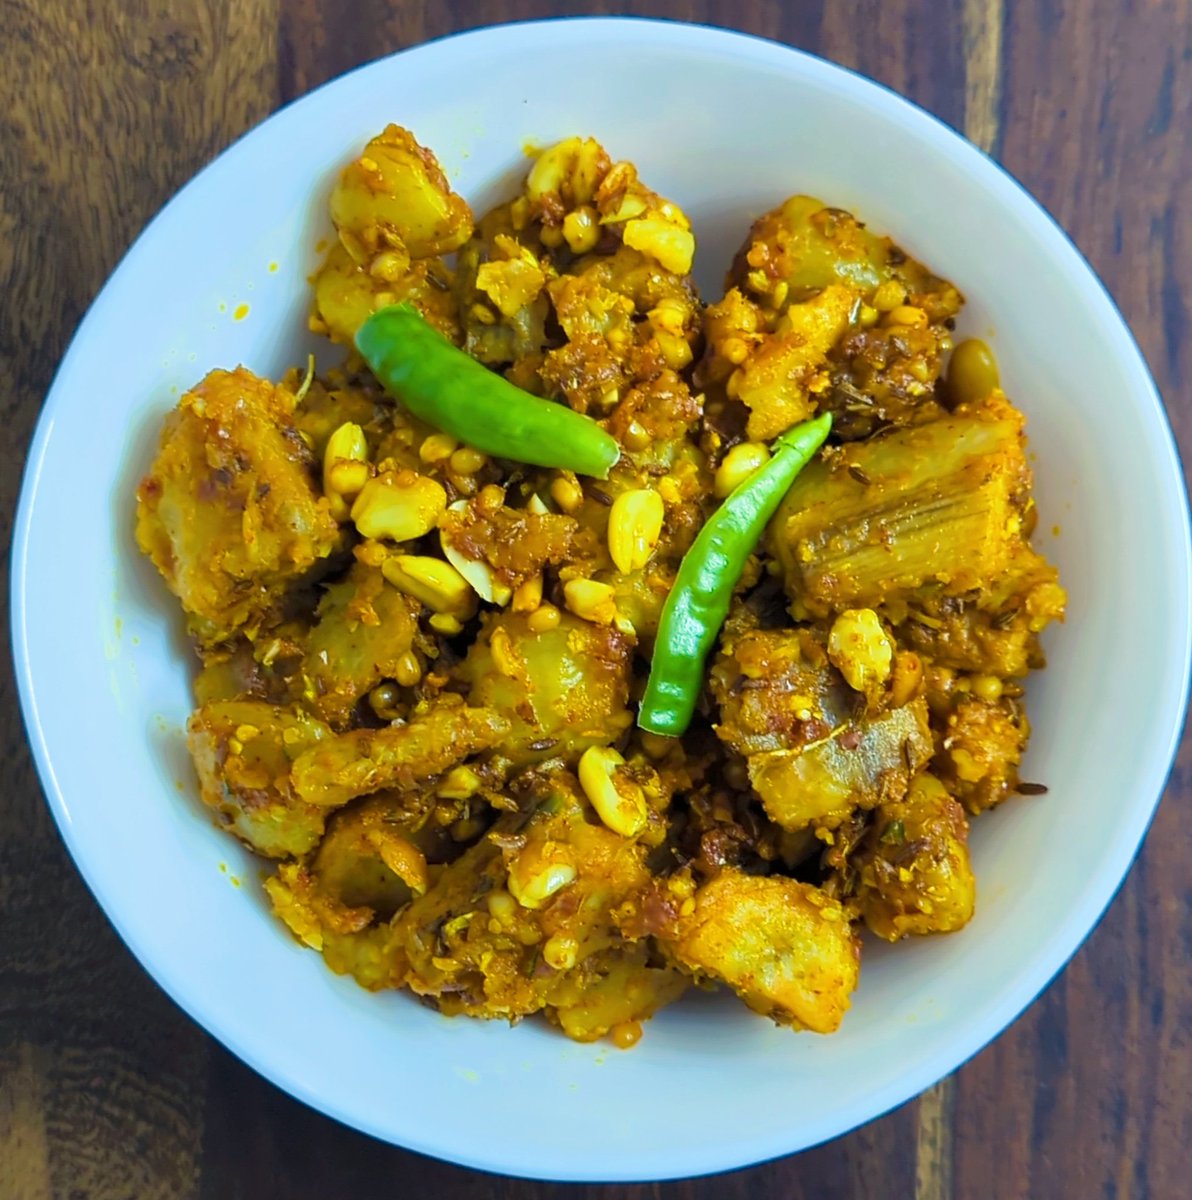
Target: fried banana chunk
230	512
395	214
812	756
785	948
366	760
915	876
561	689
243	751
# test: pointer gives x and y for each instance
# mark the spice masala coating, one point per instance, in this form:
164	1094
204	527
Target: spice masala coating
421	665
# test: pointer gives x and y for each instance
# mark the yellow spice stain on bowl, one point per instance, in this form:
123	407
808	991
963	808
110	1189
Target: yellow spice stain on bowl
1055	531
240	313
223	308
273	268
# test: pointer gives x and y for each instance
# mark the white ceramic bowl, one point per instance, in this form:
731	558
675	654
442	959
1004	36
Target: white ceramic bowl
103	665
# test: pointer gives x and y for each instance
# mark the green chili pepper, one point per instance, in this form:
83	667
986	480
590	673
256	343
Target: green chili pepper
894	834
698	602
445	388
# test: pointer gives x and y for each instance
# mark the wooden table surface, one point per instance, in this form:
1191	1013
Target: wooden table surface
107	1092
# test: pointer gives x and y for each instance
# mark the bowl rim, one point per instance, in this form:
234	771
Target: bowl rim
1053	953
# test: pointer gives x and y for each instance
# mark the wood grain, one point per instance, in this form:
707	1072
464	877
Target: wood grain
106	1091
24	1147
984	72
107	109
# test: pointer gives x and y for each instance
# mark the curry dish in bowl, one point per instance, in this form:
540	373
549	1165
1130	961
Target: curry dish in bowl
576	641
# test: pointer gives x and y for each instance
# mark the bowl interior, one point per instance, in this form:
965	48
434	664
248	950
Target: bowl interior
219	278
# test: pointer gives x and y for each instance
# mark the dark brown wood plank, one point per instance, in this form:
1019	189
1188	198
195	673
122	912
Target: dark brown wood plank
106	110
1088	1094
266	1144
105	1089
